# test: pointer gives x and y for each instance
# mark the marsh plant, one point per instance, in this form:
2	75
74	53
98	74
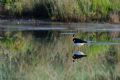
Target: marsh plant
65	10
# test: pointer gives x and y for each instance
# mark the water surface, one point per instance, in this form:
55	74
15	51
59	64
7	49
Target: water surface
37	50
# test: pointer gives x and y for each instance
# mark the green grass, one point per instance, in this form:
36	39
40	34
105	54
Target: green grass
69	10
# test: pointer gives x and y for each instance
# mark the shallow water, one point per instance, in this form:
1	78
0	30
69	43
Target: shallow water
43	51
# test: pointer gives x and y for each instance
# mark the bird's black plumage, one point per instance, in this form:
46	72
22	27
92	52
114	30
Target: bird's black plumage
77	40
78	55
75	56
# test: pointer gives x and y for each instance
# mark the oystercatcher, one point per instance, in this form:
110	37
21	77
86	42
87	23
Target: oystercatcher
78	42
78	55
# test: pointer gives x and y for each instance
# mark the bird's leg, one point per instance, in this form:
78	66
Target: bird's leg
75	48
78	48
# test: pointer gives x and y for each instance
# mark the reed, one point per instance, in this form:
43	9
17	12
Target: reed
69	10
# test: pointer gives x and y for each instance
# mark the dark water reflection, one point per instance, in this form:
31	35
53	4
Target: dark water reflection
44	52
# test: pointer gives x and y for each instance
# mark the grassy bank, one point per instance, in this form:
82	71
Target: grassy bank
68	10
28	58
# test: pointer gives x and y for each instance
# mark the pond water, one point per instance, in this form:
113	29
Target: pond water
38	50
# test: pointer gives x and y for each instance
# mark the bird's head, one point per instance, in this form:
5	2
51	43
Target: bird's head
73	35
73	57
73	39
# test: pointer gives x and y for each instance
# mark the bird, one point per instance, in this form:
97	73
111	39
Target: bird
78	42
78	55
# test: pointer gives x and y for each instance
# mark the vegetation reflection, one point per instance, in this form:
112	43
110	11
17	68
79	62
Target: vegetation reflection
27	57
